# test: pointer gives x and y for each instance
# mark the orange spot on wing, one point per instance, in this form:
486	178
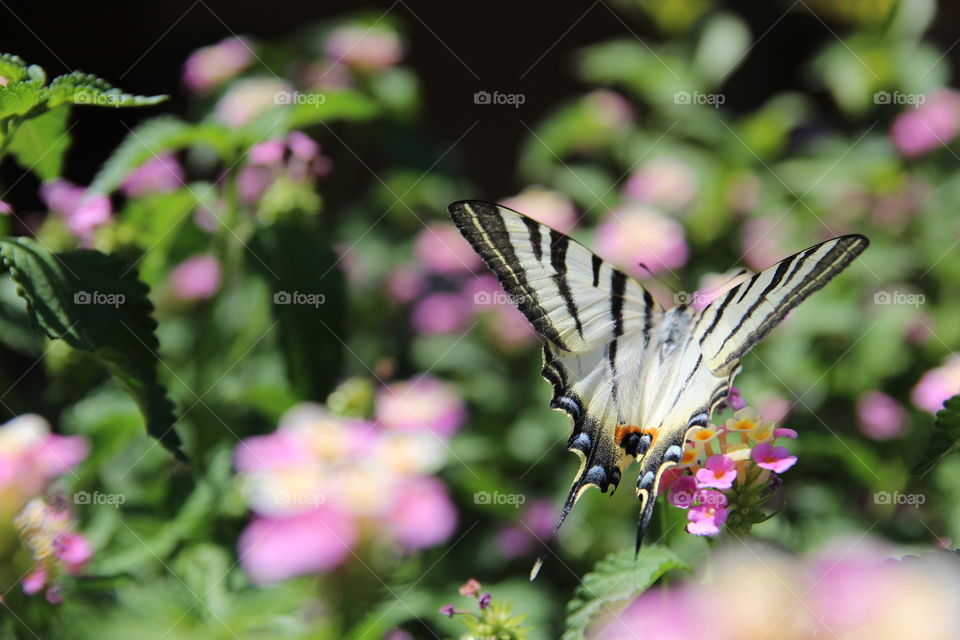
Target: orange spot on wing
624	430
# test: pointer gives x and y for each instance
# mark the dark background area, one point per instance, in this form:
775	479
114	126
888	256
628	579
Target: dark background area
457	48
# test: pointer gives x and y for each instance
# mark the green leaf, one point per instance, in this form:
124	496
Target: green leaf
943	438
96	304
12	67
40	143
308	295
83	88
156	136
616	579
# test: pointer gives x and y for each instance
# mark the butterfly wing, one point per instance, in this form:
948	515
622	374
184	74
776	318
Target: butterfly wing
730	325
585	309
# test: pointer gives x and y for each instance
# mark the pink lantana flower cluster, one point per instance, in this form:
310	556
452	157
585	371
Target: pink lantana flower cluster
297	158
844	592
320	485
728	471
31	458
48	531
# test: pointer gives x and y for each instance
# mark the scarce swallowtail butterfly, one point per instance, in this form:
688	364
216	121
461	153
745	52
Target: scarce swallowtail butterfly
635	378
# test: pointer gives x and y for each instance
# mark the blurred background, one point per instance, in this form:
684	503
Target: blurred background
359	404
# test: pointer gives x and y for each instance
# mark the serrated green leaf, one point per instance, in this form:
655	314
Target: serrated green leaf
84	88
157	136
309	295
20	98
12	67
97	304
617	578
40	143
943	438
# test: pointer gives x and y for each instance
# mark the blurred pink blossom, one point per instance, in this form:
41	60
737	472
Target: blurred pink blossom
197	278
327	74
665	182
252	183
48	532
609	109
30	457
303	146
272	550
364	47
543	205
159	174
209	67
83	212
635	234
267	153
405	283
422	403
247	99
933	124
880	416
5	208
766	240
441	313
535	526
937	385
441	249
422	514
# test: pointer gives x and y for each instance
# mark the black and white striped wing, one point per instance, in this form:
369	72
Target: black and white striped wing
571	297
730	325
588	311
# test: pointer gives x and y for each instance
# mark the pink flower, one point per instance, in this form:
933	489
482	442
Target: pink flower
423	403
196	279
682	491
319	539
665	182
35	581
543	205
677	614
776	459
209	67
5	208
303	146
735	400
609	109
536	525
706	519
933	124
73	550
405	283
82	211
364	47
253	182
247	99
766	240
937	386
267	153
635	234
422	514
160	174
880	416
441	249
719	472
441	313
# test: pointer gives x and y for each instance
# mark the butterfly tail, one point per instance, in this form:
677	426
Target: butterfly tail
664	454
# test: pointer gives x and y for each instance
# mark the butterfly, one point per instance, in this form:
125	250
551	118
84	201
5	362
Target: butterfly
635	378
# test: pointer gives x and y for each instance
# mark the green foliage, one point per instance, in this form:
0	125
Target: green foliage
96	304
615	580
943	438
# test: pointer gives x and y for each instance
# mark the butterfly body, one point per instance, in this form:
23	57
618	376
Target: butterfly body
634	378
